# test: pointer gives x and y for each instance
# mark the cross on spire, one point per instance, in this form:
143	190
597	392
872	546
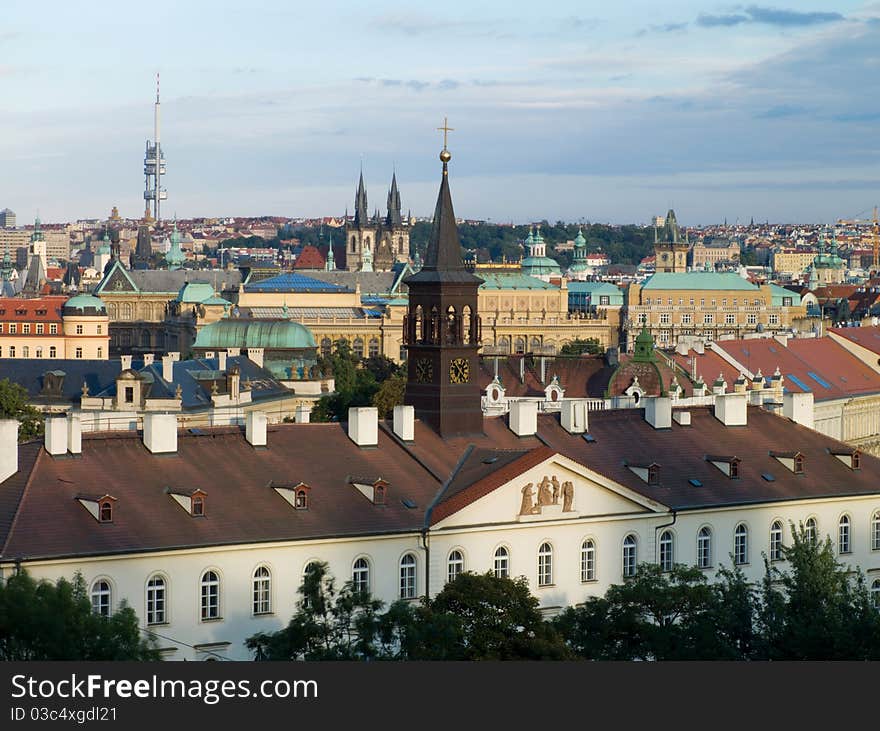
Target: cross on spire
445	129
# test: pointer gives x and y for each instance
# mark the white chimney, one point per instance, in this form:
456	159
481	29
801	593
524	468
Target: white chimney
658	411
256	355
523	419
74	433
575	416
55	435
221	360
233	352
167	368
405	422
303	414
160	433
255	428
209	354
682	418
8	448
126	361
175	355
731	408
363	425
148	359
799	408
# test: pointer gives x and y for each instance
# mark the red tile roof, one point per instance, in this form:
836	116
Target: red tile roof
309	258
867	337
15	309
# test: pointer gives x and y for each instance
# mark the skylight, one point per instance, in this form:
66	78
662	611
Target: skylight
818	379
695	482
767	476
589	438
799	382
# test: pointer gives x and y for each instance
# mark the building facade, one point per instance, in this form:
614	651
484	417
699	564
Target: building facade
54	327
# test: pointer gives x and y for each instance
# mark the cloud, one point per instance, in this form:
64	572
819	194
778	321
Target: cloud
768	16
782	111
663	28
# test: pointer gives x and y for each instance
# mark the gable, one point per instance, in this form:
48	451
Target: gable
558	488
116	281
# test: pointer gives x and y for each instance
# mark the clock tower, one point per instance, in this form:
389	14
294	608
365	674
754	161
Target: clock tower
670	249
441	329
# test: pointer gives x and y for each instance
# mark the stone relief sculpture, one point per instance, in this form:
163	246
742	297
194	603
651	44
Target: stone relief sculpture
527	508
549	492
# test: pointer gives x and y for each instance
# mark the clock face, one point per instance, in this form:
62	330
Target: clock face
459	370
424	370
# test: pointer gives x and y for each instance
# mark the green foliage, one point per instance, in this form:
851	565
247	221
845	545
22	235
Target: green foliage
357	382
44	621
389	395
579	346
14	405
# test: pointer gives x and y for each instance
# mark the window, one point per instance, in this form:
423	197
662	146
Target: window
26	329
741	544
774	319
39	352
653	474
25	351
53	329
708	319
79	329
604	299
588	560
156	599
373	349
875	593
262	591
502	563
360	575
379	495
875	531
856	456
210	586
843	535
100	352
99	330
810	530
730	318
704	548
129	394
105	511
454	565
101	598
545	565
301	502
358	348
198	505
13	328
752	318
665	318
666	551
326	346
629	555
408	577
686	319
79	352
40	328
798	468
11	351
53	351
776	541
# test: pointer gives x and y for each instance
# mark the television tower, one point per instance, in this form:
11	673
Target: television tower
154	168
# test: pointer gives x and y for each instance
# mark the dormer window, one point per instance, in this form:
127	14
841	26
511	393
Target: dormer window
649	472
850	457
794	461
856	457
729	465
653	474
379	495
105	514
198	506
798	464
99	506
297	495
302	499
376	491
192	501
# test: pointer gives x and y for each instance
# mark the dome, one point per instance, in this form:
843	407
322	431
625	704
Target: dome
84	304
534	265
268	334
195	292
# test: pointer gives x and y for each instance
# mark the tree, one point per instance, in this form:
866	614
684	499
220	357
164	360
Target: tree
579	346
45	621
354	384
389	395
14	405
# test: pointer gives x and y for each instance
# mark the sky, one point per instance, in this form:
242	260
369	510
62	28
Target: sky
567	110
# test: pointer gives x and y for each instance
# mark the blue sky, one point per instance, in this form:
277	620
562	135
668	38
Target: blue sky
571	110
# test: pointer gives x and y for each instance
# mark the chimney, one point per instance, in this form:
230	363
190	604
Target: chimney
303	414
148	359
575	418
175	355
682	418
160	432
363	425
731	408
255	428
126	362
55	436
221	360
233	383
523	420
167	368
405	422
209	354
658	411
74	433
8	448
799	408
256	355
233	352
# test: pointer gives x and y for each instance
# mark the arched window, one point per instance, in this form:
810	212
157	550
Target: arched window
630	555
588	560
53	351
810	532
262	591
105	513
520	345
451	325
367	241
467	335
373	350
704	548
844	535
776	541
101	596
156	600
39	352
326	346
454	565
419	325
210	590
504	343
875	531
301	502
408	576
875	593
353	244
502	563
25	352
741	544
358	348
360	575
536	344
545	565
667	548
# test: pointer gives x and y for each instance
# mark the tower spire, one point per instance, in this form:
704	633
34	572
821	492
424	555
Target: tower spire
361	217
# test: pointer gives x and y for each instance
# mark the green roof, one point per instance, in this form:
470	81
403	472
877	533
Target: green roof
540	265
269	334
777	293
85	301
502	280
195	292
699	280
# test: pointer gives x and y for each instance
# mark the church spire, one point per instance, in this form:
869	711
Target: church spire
393	219
444	247
361	217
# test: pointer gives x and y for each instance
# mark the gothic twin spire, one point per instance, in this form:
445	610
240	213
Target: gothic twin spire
361	216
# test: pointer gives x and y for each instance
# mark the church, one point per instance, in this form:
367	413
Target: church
374	244
207	533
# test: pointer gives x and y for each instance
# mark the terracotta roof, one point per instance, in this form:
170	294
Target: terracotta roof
309	258
867	337
15	309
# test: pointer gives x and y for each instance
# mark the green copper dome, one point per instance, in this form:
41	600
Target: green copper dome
83	302
268	334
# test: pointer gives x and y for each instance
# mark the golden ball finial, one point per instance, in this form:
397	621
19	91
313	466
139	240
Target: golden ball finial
445	156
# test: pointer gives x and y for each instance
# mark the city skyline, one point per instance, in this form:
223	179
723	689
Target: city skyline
602	114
